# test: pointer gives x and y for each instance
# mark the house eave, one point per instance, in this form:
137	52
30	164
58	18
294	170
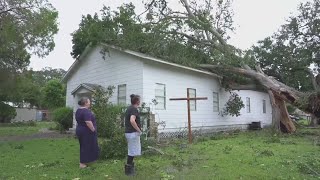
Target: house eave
75	63
133	53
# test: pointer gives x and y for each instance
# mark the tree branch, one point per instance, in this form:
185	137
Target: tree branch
204	25
313	80
252	87
17	8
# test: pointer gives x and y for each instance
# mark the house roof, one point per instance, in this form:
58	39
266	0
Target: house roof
133	53
88	86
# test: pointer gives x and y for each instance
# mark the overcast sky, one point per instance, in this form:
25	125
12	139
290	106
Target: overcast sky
254	20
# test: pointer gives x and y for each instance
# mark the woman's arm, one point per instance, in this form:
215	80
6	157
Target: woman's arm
90	125
133	123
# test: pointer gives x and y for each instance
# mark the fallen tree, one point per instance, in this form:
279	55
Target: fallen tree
205	25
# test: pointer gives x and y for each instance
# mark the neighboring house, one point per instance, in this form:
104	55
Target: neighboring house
151	78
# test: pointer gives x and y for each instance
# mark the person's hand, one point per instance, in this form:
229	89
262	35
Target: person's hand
139	133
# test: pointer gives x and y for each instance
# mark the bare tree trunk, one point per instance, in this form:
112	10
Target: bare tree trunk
275	113
285	119
280	115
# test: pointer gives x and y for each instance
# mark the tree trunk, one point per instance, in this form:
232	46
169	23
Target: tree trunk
283	115
276	114
280	116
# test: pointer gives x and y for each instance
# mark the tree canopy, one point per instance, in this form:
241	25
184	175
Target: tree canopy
26	27
292	54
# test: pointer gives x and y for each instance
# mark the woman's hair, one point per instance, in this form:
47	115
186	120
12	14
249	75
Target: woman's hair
83	101
134	99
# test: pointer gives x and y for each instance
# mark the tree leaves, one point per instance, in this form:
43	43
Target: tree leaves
26	27
289	53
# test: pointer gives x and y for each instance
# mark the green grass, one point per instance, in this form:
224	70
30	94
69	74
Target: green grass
250	155
25	130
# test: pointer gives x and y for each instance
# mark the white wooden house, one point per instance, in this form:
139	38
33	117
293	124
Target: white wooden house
151	78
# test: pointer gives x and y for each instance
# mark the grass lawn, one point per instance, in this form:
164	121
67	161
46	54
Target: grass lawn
249	155
25	130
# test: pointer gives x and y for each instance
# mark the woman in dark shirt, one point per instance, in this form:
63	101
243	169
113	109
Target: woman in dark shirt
132	133
87	133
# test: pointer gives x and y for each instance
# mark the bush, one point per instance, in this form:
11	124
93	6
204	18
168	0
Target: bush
107	118
115	147
63	117
7	113
107	114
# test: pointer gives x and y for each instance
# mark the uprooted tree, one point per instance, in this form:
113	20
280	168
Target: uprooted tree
206	25
197	33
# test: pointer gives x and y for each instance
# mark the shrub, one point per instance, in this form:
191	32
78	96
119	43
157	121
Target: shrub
233	106
63	117
107	114
7	113
115	147
108	122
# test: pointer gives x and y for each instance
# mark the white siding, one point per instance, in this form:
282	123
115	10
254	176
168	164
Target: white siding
118	68
141	76
178	80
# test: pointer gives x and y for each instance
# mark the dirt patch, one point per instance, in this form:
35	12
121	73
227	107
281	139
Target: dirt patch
43	134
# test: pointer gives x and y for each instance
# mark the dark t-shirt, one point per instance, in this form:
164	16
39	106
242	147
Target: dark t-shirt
131	110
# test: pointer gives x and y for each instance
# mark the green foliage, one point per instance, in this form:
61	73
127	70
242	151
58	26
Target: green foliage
115	147
41	77
290	108
7	113
233	105
27	27
288	54
123	28
107	114
108	121
113	144
54	94
63	117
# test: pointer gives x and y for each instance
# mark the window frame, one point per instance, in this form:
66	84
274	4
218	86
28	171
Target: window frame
264	106
195	101
248	104
124	96
164	97
216	101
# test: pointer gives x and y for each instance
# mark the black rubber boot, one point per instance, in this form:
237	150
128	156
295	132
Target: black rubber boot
133	169
129	170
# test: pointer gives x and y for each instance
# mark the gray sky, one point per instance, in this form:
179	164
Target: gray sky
254	19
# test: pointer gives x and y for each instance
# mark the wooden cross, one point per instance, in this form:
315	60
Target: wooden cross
188	99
